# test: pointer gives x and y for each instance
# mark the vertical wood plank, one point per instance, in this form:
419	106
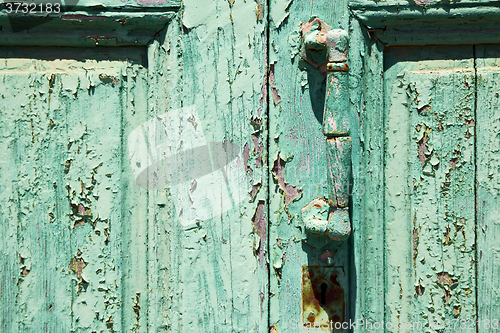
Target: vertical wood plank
134	268
65	156
212	64
368	235
430	243
28	152
488	185
297	158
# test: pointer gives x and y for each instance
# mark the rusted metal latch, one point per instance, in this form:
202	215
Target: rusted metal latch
326	49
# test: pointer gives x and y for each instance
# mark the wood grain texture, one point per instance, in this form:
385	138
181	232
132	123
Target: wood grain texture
63	208
215	271
488	184
298	152
429	180
367	99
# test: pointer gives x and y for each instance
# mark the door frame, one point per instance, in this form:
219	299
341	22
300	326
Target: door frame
375	25
95	24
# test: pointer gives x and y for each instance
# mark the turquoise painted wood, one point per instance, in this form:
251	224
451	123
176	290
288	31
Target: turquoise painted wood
298	160
69	245
161	164
135	178
429	176
487	180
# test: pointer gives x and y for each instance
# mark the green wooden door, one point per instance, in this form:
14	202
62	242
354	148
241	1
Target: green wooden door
160	162
76	253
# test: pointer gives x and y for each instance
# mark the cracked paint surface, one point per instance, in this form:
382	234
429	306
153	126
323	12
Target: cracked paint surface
430	198
290	192
63	156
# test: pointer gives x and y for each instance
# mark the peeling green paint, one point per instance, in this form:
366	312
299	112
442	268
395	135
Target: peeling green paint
87	249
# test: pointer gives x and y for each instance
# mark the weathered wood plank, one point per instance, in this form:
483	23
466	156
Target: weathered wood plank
66	161
36	280
134	234
298	158
211	63
367	102
437	22
430	170
488	185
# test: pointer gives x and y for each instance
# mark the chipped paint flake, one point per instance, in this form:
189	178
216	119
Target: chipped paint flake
290	193
260	229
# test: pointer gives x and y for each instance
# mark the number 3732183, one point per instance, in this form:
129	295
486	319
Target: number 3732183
32	8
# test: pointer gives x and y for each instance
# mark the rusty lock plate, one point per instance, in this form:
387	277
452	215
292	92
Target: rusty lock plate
323	298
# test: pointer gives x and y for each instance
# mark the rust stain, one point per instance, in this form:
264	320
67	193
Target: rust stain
419	289
445	279
81	17
456	310
77	265
260	228
322	295
289	192
336	67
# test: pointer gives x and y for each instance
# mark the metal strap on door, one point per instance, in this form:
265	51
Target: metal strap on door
321	43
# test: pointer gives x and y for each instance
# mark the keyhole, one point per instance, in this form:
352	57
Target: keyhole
323	287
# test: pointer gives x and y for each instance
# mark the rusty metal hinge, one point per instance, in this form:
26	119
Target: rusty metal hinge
326	49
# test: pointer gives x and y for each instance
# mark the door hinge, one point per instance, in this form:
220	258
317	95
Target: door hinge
326	49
